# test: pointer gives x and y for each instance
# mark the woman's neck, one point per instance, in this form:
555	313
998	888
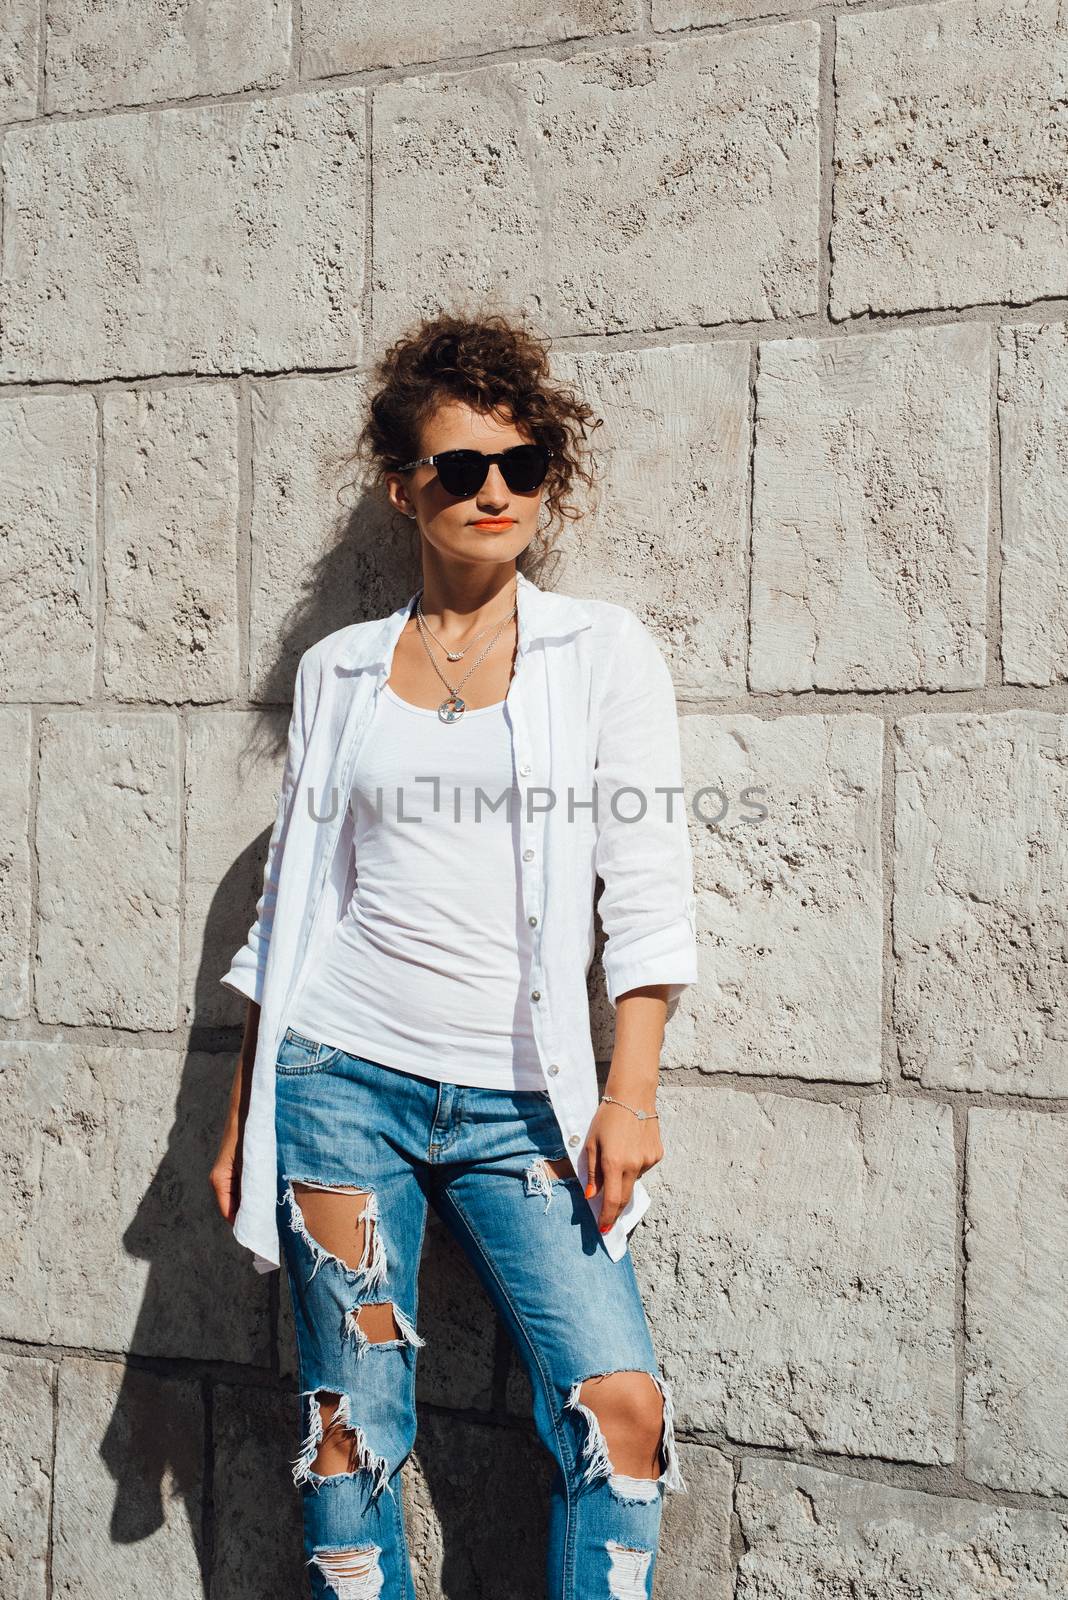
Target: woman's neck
458	603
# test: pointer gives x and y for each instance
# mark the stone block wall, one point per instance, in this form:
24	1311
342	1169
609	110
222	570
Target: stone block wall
810	263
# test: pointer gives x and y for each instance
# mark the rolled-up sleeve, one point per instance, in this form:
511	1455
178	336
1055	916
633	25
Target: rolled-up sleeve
249	965
647	905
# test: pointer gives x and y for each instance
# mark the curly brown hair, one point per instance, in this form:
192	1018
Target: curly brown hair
495	363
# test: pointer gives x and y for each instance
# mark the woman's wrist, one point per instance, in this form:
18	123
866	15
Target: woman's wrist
641	1113
634	1082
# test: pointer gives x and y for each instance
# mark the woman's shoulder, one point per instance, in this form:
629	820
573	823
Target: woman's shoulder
610	619
609	613
619	626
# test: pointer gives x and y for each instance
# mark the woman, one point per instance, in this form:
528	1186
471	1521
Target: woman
418	1027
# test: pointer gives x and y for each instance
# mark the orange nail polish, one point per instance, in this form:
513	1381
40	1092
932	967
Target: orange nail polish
589	1189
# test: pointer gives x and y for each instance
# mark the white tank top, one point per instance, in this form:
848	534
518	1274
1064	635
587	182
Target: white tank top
428	970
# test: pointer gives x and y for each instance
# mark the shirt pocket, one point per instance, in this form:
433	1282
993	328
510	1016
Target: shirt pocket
298	1056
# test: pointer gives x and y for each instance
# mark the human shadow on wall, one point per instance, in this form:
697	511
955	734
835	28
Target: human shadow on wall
206	1421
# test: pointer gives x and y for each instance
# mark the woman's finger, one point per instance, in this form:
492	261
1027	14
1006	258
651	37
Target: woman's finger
615	1184
593	1181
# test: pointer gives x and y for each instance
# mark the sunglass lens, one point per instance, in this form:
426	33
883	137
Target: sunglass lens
462	472
525	467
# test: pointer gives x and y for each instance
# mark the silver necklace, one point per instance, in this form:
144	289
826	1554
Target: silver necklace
453	707
454	655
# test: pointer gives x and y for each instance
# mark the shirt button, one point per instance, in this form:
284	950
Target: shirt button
528	855
533	921
574	1139
535	994
553	1070
525	768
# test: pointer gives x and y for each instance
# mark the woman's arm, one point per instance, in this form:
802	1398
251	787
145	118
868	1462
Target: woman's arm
226	1171
647	905
635	1070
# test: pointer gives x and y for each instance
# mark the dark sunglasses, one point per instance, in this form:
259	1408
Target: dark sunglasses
463	472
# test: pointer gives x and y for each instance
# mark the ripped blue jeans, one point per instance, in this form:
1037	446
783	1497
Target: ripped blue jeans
362	1148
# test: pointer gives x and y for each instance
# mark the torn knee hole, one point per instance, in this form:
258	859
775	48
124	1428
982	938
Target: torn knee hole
630	1411
353	1574
337	1442
334	1445
620	1403
339	1223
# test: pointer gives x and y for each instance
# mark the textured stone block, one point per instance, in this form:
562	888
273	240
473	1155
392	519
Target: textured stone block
222	238
808	1532
798	1265
47	546
789	905
323	554
258	1534
16	734
129	53
129	1469
473	1531
1016	1301
695	1535
114	1241
108	850
170	544
26	1479
456	1319
1032	407
870	505
18	59
980	918
950	152
340	37
669	530
233	772
518	1398
516	175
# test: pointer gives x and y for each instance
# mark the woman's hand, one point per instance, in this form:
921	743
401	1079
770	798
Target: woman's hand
225	1176
226	1171
619	1148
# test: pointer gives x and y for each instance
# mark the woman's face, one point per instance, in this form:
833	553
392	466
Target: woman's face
451	525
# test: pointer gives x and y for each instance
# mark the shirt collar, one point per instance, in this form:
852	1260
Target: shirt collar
542	614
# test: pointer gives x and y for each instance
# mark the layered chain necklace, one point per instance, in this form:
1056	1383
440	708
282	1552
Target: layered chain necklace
453	707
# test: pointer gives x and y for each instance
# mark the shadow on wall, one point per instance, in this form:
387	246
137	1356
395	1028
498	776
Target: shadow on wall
202	1430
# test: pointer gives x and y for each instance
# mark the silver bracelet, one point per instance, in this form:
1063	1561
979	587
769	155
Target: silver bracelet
643	1116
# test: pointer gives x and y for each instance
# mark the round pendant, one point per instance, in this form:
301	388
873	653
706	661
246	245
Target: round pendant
451	709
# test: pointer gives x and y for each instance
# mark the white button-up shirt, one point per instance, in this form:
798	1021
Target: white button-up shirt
595	739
